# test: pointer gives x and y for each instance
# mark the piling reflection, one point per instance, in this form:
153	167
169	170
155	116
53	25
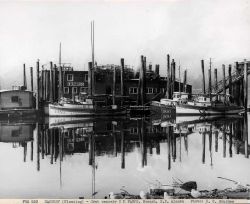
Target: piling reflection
145	138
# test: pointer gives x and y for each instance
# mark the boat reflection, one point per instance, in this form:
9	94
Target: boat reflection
146	144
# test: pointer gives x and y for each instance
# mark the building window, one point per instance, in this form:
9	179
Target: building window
69	77
74	90
14	99
149	90
86	77
83	90
133	90
133	130
66	90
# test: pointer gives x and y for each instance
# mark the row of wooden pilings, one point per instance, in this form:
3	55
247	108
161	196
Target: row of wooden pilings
171	78
49	84
238	89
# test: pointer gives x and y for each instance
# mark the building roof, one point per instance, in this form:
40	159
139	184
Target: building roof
10	90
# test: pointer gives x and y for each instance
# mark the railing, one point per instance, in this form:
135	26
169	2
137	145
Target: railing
236	76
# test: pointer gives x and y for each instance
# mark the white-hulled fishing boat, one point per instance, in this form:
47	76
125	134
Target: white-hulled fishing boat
84	108
202	105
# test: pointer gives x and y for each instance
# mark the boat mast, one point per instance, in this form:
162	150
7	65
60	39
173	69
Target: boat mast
93	55
180	79
210	83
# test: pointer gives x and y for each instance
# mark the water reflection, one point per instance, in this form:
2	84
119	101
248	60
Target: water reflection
145	148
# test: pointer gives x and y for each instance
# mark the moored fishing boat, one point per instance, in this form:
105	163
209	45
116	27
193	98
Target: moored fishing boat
203	105
85	107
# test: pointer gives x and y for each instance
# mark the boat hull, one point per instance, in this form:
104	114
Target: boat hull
81	110
186	109
165	112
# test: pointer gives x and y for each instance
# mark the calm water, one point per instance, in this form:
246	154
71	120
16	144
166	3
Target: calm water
82	157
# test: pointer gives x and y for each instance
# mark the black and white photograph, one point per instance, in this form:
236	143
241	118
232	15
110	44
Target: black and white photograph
127	99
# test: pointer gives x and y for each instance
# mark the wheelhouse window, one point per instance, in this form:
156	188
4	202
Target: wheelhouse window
66	90
14	99
70	77
133	90
74	90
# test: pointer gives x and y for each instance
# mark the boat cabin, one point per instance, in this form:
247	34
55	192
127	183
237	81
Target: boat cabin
16	99
181	97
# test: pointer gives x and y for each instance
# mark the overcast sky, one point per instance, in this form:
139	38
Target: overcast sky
189	30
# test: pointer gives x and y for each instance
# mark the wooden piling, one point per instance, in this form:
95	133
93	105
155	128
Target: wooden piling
173	77
31	79
185	81
122	80
157	70
55	92
224	82
114	83
216	83
237	88
209	84
47	85
245	85
168	78
230	83
51	94
90	79
24	77
37	85
60	83
203	77
142	82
